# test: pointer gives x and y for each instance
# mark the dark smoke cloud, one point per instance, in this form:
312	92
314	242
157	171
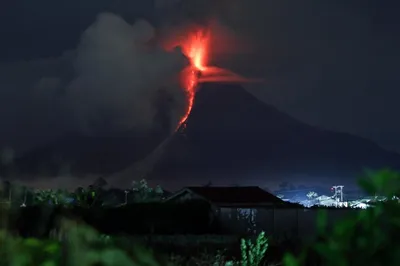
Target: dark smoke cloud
31	107
119	75
110	83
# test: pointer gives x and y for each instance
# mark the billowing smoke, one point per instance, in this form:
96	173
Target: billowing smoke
119	75
111	82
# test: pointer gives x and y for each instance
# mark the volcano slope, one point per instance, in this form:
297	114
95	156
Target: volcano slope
108	150
80	156
231	137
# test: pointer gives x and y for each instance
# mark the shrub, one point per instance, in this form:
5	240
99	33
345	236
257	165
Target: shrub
83	246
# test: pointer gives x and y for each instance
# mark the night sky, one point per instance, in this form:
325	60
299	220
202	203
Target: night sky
333	64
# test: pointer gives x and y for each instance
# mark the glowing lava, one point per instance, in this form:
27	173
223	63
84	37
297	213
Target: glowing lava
196	48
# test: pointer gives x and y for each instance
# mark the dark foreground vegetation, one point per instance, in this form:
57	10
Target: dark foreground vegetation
182	234
134	219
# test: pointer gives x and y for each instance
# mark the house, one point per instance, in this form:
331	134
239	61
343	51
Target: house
230	202
228	197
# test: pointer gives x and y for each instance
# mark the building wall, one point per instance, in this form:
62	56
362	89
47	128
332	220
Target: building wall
279	223
187	196
282	223
240	220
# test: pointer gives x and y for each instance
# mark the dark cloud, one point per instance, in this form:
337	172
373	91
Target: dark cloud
109	83
119	75
30	110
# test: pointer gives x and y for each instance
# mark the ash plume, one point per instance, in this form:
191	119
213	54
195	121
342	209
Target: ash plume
118	74
110	83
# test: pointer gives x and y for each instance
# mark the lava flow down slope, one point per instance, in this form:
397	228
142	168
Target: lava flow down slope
196	47
229	126
79	155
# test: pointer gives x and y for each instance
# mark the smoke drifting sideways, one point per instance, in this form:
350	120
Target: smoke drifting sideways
119	75
110	83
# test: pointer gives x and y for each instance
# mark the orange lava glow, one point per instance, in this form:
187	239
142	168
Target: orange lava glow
196	47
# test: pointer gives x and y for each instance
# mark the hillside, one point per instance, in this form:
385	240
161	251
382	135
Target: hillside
233	136
230	137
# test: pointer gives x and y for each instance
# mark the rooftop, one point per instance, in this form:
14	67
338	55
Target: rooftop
231	195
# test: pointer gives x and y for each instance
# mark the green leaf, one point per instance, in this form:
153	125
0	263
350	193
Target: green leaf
290	260
367	186
49	263
32	242
395	221
114	257
322	221
345	228
52	248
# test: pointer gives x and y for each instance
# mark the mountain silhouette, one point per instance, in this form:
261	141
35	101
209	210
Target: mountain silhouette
232	135
229	135
79	155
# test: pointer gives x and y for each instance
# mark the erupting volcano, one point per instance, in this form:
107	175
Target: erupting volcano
196	48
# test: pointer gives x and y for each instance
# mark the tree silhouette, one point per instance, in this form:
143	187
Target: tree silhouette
142	192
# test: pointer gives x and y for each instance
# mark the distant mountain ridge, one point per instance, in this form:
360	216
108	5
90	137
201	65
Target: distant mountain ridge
230	136
79	155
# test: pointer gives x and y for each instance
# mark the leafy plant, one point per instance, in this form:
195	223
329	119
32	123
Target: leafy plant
85	197
82	246
47	196
30	251
369	238
53	197
253	253
143	193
